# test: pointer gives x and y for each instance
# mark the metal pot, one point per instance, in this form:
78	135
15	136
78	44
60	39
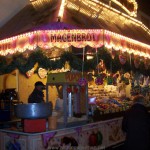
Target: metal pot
33	110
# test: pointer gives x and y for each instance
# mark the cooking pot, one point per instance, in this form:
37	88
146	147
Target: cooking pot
33	110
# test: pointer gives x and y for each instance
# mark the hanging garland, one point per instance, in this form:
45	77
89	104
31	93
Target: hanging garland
24	64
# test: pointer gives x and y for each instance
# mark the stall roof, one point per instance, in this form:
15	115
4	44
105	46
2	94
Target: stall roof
77	14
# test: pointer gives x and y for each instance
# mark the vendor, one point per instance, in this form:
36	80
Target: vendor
37	96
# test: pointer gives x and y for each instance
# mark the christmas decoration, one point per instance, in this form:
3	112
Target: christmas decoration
125	78
122	59
42	73
109	80
82	81
100	79
101	66
69	90
115	77
30	73
24	64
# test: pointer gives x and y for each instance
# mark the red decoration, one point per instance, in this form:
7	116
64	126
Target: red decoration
93	140
75	90
69	90
82	89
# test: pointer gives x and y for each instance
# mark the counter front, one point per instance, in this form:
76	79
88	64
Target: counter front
99	135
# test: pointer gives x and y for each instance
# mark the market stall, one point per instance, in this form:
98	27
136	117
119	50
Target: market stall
90	76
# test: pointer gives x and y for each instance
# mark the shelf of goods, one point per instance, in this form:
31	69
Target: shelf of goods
105	103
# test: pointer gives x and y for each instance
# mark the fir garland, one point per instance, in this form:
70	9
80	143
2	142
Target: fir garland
24	64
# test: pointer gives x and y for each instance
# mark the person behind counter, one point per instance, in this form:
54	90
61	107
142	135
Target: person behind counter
37	96
136	125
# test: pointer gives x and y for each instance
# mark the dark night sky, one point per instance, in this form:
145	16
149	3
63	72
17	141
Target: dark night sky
144	5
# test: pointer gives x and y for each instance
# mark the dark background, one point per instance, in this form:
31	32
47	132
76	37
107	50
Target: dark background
144	5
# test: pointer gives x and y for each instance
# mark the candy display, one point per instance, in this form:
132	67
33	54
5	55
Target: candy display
113	93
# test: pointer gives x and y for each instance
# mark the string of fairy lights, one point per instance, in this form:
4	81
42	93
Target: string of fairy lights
22	42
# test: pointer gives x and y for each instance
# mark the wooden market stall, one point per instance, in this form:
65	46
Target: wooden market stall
57	42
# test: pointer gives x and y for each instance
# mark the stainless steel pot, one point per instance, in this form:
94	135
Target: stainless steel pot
33	110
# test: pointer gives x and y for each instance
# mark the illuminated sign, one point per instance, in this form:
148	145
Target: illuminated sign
95	38
73	37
